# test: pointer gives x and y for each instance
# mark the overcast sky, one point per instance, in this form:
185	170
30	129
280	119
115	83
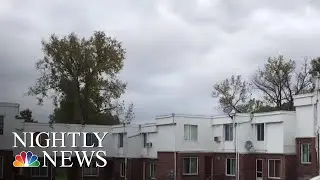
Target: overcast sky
176	50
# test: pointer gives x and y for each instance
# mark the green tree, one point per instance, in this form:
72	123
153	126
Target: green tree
125	114
81	76
232	92
26	114
64	113
315	67
255	106
279	80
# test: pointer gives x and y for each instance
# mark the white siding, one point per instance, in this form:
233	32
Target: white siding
305	121
10	124
167	132
274	138
152	151
131	142
290	126
203	142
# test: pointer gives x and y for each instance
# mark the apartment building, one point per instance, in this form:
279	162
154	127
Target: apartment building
274	145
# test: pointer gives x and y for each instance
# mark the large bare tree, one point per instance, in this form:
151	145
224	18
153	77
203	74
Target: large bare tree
280	79
232	93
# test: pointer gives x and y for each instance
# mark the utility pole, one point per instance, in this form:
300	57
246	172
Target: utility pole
125	151
128	117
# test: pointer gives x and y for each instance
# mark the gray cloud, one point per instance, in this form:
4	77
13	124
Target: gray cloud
176	50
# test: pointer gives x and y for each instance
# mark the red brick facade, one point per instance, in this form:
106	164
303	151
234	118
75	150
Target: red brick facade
209	165
214	164
7	157
306	170
201	165
165	165
137	168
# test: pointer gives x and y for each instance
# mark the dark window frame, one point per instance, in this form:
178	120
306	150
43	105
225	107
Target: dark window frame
42	139
260	131
273	172
309	153
1	166
228	132
153	170
120	140
188	133
92	170
37	171
259	171
91	139
230	170
122	169
189	171
145	139
1	124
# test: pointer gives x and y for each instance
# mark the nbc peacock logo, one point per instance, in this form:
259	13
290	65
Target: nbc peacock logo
26	160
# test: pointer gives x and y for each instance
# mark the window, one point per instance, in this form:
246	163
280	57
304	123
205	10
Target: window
259	168
42	139
122	169
228	132
190	132
1	166
260	132
274	168
91	139
190	165
1	124
92	170
39	171
305	153
231	167
152	170
144	139
120	140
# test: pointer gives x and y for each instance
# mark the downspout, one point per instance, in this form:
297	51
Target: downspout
238	161
316	125
235	144
236	147
316	130
125	152
316	121
175	153
318	151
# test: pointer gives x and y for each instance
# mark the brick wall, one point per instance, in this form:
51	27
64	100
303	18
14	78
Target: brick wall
201	166
27	174
206	162
306	171
288	165
74	172
135	168
165	165
7	164
247	164
219	166
291	167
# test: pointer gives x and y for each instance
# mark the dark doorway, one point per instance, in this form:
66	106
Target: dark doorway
109	170
208	166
